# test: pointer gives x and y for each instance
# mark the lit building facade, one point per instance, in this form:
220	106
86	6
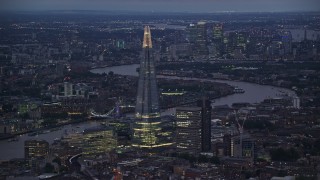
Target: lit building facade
201	43
34	149
218	39
98	141
148	123
197	35
218	32
244	149
188	130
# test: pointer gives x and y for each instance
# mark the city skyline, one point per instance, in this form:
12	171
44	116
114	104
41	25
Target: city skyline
142	95
202	6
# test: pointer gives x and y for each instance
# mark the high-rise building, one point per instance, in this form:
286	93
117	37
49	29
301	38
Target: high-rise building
218	33
286	39
68	89
243	146
35	149
188	130
192	33
193	128
197	35
201	42
242	41
227	145
218	40
147	127
205	105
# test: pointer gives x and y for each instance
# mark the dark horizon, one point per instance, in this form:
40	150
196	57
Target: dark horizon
138	12
201	6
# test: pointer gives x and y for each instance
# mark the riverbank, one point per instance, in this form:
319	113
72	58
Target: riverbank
15	149
40	130
254	93
106	66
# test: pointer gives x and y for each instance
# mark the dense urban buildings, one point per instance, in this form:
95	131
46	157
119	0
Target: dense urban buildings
92	95
36	149
98	141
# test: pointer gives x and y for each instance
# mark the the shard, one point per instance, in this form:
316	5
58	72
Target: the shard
147	126
147	106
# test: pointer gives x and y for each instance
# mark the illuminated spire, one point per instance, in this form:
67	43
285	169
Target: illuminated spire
147	38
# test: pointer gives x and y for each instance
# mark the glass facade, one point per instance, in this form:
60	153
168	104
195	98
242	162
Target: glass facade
36	149
148	126
98	141
188	130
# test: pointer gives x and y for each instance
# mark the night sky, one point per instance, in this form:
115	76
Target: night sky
165	5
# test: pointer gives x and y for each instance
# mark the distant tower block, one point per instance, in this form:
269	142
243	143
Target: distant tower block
296	102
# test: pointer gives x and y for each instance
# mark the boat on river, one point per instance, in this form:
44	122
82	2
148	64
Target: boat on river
238	90
33	134
13	139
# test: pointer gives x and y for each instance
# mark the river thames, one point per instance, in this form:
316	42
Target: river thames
254	93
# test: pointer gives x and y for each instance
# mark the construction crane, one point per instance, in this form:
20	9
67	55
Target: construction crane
240	128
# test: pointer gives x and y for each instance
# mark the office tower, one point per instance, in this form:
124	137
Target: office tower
205	105
201	41
218	40
68	89
192	33
197	35
98	141
231	43
227	145
296	102
286	39
147	127
243	147
34	149
218	33
188	130
242	41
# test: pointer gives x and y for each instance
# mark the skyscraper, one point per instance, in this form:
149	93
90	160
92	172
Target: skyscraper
286	39
205	105
193	130
188	130
218	39
218	33
201	42
197	36
147	99
147	126
192	33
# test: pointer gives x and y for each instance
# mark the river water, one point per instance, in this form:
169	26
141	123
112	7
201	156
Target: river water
15	149
254	93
